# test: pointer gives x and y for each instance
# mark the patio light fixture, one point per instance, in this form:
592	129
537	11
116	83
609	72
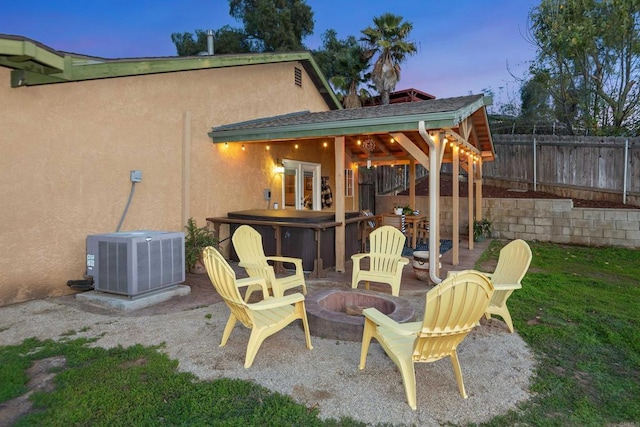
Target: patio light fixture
279	168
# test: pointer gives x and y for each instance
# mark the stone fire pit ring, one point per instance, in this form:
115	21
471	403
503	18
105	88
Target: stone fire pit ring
328	318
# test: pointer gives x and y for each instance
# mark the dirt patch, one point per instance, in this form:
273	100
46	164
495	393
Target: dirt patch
41	376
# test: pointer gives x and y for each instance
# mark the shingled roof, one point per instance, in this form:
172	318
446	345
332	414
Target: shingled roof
443	105
377	122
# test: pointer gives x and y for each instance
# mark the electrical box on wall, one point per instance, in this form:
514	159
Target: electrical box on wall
136	176
267	194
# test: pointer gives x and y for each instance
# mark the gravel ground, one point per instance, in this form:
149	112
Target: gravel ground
496	365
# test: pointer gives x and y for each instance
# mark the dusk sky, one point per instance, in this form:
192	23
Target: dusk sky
464	46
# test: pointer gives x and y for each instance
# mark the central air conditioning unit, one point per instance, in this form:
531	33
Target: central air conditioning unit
135	262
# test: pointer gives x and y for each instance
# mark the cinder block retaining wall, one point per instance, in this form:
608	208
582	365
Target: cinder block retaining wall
547	220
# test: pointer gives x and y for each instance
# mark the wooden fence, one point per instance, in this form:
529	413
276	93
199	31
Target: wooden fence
606	168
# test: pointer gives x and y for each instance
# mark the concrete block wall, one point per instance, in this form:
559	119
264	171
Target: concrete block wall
546	220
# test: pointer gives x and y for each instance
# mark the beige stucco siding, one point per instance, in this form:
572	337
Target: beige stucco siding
66	151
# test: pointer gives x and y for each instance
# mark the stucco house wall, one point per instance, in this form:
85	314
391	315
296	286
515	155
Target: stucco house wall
67	149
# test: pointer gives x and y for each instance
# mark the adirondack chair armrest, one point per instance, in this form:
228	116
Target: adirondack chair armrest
358	257
295	261
403	261
381	319
248	281
506	286
277	302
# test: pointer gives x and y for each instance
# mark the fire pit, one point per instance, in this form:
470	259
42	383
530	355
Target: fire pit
337	313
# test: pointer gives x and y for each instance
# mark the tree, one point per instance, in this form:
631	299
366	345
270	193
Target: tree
276	25
589	51
226	40
344	64
535	100
387	38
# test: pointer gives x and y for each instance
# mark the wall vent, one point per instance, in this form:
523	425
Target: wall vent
135	262
297	76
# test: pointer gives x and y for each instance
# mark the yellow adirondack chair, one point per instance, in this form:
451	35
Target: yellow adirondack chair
248	245
453	309
385	259
513	263
264	318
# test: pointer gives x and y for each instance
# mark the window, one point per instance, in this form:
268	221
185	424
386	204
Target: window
348	182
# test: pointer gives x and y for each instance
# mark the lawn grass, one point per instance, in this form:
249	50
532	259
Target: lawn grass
578	310
140	386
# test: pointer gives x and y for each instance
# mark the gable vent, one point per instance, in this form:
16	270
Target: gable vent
297	76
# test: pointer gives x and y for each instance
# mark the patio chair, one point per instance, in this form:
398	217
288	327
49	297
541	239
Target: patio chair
385	259
264	318
513	264
453	308
248	245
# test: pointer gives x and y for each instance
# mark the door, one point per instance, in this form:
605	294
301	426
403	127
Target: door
301	185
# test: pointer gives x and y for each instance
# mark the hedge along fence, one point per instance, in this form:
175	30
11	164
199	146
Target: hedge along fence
585	167
546	220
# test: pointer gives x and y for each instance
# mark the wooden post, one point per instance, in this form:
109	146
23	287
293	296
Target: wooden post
478	168
470	197
339	148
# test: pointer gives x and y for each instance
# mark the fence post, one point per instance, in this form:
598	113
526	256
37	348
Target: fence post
624	178
535	166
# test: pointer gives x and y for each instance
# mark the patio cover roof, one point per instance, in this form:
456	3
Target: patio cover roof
463	118
402	133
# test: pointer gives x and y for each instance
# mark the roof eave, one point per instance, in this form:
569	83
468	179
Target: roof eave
339	128
35	64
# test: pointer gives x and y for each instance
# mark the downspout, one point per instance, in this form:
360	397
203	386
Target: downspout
433	211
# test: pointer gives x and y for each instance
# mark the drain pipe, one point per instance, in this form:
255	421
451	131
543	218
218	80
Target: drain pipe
433	211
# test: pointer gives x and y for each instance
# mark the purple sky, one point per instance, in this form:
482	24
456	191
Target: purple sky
464	46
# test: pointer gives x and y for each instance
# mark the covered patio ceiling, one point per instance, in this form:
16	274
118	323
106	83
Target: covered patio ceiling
430	132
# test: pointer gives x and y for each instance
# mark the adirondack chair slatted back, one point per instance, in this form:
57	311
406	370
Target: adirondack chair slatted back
224	281
513	263
386	247
452	310
248	245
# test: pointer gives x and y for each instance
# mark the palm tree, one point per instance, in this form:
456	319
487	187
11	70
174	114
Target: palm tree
388	38
350	66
